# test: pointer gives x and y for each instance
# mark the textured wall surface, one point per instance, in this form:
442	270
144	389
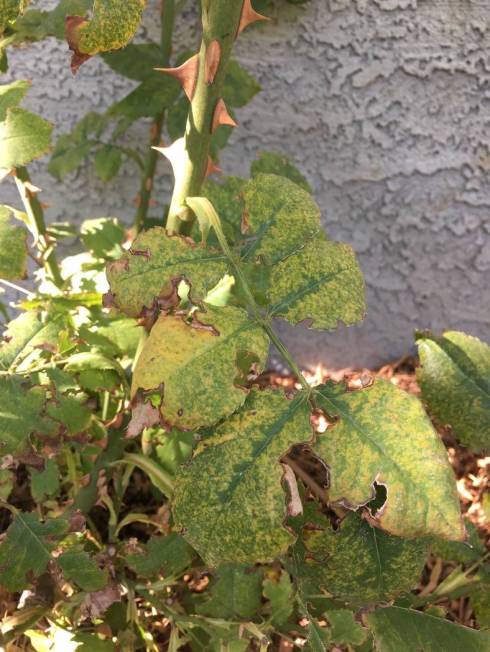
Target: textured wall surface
385	106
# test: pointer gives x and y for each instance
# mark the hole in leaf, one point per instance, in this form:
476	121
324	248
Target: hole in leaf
379	501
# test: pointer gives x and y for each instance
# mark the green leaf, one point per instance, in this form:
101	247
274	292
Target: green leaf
37	25
151	270
480	601
9	10
71	412
21	415
11	94
272	163
148	99
23	137
13	248
80	568
460	551
239	87
6	483
318	638
229	500
24	335
66	158
168	556
45	483
107	161
345	630
455	381
280	218
226	196
358	564
111	27
172	449
103	236
322	283
280	593
26	550
234	593
124	333
397	629
136	61
383	435
196	367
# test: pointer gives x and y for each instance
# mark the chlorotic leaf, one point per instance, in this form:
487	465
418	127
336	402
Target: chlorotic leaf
112	25
11	94
9	10
195	367
148	274
26	550
23	137
358	564
455	381
322	283
397	629
345	630
168	556
280	218
234	593
383	435
80	568
272	163
229	501
280	594
13	248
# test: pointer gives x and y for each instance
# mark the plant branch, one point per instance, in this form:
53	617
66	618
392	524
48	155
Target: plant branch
37	225
190	155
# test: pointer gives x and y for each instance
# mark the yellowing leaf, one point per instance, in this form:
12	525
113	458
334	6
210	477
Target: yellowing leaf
151	270
229	500
455	381
322	282
9	10
383	435
196	367
23	137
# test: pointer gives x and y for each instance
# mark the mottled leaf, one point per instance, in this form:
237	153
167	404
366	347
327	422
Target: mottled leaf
280	594
397	629
196	367
345	630
280	218
11	94
229	500
322	283
26	550
455	381
384	435
226	195
24	136
358	564
80	568
234	593
150	270
13	248
272	163
167	556
9	10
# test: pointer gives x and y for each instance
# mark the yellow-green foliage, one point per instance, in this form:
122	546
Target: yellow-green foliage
112	26
9	10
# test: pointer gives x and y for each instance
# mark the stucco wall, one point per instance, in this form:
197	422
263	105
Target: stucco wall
385	106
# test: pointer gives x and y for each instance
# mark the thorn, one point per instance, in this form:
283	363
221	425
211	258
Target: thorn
221	116
212	168
213	58
249	16
176	154
186	75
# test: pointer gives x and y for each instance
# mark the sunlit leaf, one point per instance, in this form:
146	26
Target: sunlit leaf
103	236
11	94
9	10
24	136
13	249
272	163
25	338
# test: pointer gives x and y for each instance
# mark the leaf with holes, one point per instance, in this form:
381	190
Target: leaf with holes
358	564
397	629
23	137
13	249
322	283
383	435
26	550
280	218
229	499
198	368
151	270
455	381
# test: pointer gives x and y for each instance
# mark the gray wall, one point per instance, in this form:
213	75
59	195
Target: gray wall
385	106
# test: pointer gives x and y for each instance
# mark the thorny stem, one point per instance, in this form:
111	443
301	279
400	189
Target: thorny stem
220	21
37	225
167	15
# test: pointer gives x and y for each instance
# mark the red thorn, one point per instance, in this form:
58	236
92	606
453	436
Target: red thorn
249	16
221	116
211	167
213	58
186	75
